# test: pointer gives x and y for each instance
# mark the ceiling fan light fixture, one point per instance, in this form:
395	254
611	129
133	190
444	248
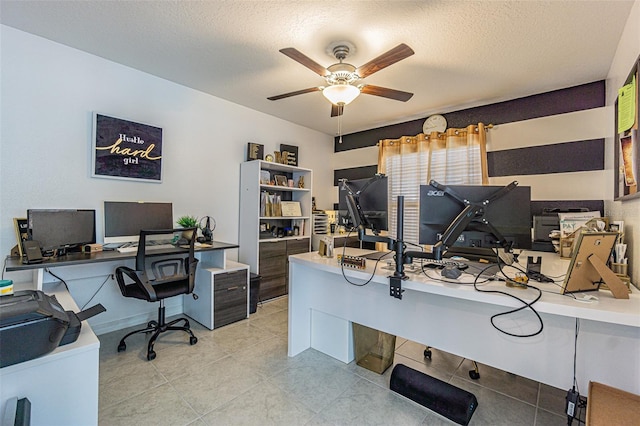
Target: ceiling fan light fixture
341	94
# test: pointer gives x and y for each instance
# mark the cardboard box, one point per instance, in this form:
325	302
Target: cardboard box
610	406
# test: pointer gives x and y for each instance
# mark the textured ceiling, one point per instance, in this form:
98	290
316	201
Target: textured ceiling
467	53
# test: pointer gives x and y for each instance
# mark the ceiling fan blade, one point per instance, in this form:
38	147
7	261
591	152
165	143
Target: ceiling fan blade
397	95
394	55
303	59
336	110
297	92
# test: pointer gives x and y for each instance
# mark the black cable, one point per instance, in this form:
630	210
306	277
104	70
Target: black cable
67	286
375	267
512	311
4	266
575	353
97	291
58	278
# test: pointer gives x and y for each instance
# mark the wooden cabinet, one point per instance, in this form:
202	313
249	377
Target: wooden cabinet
223	295
272	264
266	240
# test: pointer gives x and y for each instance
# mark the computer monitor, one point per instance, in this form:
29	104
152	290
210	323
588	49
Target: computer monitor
123	220
61	229
490	213
371	195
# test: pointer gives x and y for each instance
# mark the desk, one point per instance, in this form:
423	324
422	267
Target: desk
456	318
85	274
81	258
62	385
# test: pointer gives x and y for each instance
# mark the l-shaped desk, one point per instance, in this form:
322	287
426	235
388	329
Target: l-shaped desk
454	317
62	386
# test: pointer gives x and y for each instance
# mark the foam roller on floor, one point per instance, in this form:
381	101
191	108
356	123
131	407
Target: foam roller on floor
445	399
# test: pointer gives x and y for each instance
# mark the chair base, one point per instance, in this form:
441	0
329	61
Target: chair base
158	327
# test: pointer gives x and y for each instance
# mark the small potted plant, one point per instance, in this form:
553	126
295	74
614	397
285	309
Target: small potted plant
188	222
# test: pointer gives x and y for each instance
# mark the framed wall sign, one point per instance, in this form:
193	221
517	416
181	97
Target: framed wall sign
123	149
292	154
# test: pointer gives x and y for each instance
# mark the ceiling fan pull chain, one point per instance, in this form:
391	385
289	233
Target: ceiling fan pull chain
340	127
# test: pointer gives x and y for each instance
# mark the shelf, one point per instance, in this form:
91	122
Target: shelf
283	188
293	237
282	217
268	165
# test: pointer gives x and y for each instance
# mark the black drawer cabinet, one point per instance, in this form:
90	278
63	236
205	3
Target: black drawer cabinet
274	265
273	286
272	261
230	297
223	295
272	249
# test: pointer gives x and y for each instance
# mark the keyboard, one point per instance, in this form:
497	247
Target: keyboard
134	248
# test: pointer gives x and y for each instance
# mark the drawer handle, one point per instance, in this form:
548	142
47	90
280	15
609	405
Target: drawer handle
232	288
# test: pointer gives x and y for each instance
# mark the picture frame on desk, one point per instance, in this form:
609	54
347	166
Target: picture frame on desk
21	228
123	149
588	267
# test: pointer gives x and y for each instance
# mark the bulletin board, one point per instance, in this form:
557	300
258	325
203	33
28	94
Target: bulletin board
627	143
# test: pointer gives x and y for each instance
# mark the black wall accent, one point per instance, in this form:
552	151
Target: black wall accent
354	173
577	98
556	158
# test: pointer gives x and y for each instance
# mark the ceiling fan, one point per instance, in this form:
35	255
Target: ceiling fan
345	81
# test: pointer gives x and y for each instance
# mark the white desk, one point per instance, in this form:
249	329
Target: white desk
62	385
456	318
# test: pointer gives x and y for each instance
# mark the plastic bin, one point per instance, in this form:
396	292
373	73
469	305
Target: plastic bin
373	349
254	292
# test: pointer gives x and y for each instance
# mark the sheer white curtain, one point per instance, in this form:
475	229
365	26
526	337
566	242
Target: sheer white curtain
455	157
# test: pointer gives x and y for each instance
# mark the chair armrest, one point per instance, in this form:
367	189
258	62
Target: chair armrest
143	283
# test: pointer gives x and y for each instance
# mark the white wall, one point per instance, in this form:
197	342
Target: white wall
48	94
629	211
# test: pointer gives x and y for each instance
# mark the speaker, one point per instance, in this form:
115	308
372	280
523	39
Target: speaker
445	399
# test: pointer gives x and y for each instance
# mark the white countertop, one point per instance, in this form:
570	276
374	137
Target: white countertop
605	309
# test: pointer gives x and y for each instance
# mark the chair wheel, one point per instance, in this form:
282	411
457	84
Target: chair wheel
474	374
193	340
151	355
427	353
122	347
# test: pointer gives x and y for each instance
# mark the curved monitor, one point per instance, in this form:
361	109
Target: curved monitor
506	210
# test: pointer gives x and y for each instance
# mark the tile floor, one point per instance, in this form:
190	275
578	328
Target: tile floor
240	375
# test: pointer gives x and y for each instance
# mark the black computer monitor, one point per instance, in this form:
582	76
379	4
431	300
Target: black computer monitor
506	210
123	220
371	195
61	229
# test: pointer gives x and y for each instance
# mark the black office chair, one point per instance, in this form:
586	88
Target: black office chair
155	281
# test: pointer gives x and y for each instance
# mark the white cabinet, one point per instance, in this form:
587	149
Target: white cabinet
223	295
262	225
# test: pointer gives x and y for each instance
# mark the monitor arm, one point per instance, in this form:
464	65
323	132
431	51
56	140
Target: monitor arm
354	209
473	212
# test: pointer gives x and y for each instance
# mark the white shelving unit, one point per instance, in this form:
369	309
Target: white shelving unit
273	236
